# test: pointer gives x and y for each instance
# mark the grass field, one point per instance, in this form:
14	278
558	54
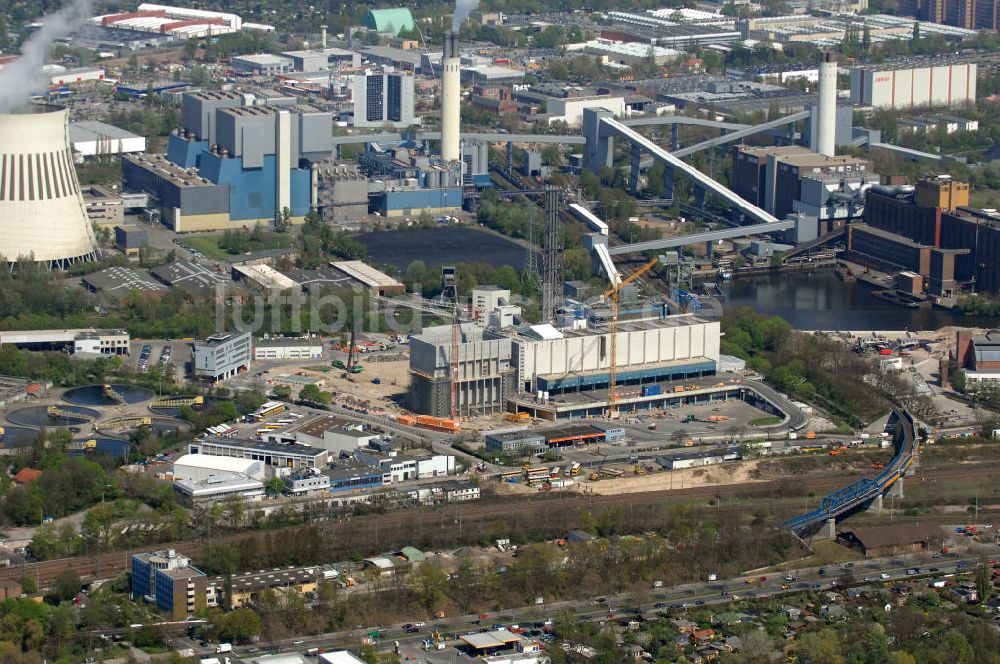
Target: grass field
209	244
764	421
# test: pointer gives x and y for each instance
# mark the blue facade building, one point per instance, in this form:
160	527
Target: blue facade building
238	161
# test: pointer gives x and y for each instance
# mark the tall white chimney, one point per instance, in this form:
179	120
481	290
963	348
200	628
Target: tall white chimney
322	29
826	120
451	92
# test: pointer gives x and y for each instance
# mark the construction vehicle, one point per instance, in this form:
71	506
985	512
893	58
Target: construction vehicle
593	477
838	450
640	469
612	295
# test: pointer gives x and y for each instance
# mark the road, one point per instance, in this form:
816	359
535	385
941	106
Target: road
673	601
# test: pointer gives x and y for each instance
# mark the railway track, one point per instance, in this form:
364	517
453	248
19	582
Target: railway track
109	564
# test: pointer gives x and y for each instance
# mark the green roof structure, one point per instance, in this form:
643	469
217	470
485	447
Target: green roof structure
413	554
389	20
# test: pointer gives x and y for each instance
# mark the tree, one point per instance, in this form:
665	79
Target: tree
66	586
28	584
283	220
313	394
274	486
821	647
241	626
430	584
281	391
984	581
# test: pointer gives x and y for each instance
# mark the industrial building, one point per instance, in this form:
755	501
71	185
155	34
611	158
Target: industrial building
42	214
935	213
828	191
288	348
275	455
393	20
222	356
570	109
203	466
932	85
239	160
263	64
88	340
193	278
384	99
483	369
180	22
369	278
323	59
217	487
826	29
130	239
92	139
496	370
979	357
167	579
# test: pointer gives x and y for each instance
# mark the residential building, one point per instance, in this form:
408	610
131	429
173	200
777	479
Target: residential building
384	100
167	579
222	356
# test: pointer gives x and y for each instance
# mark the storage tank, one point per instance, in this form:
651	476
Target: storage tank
42	213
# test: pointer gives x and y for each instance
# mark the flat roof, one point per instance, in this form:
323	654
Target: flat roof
365	273
189	276
271	578
571	432
266	276
92	131
281	342
499	638
216	462
263	59
216	483
122	278
317	427
279	448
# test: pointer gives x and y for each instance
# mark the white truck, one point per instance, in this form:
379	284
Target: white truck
223	647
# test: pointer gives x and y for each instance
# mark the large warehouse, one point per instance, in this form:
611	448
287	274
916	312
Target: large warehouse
202	466
938	85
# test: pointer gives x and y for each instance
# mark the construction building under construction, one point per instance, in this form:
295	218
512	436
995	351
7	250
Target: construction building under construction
498	371
484	375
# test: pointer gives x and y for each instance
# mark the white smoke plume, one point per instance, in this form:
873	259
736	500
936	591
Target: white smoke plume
462	10
23	76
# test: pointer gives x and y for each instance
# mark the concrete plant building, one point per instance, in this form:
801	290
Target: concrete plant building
928	86
384	100
43	217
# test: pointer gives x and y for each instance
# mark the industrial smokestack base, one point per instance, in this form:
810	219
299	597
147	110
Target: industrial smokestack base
451	99
42	213
826	108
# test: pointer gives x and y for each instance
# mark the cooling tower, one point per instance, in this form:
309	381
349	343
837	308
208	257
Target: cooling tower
41	208
451	99
826	109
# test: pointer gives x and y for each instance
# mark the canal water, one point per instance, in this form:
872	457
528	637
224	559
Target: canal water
821	301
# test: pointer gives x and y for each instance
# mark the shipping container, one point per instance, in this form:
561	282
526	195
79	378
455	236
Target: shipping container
651	390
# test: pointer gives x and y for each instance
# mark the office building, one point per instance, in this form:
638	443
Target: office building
383	100
88	340
167	579
222	356
216	488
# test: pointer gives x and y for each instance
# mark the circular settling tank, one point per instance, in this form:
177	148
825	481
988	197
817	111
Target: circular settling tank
38	416
17	437
115	447
93	395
